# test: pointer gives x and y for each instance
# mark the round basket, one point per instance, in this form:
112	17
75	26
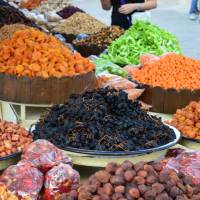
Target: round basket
87	51
168	100
69	37
43	91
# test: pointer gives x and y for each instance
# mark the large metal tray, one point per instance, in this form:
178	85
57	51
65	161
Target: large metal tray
124	153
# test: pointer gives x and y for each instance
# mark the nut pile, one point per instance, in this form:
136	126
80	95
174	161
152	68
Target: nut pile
79	23
104	120
141	181
101	39
187	120
7	31
13	138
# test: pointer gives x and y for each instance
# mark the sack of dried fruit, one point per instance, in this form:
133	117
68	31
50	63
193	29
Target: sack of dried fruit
44	155
119	83
187	163
105	66
62	180
21	182
148	58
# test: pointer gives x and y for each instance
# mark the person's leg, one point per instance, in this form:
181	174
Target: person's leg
193	8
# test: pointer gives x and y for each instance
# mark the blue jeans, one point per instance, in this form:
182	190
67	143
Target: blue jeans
193	8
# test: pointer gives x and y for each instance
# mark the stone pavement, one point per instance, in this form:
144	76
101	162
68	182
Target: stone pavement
170	14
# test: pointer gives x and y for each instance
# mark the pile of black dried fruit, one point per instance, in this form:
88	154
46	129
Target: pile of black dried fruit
141	181
11	15
105	120
68	11
101	39
3	3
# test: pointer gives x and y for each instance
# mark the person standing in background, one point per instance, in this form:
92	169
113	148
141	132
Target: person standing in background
194	12
122	10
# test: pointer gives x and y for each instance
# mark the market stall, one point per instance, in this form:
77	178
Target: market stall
119	123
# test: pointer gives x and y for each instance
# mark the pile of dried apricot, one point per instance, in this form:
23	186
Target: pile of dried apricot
13	138
187	120
33	53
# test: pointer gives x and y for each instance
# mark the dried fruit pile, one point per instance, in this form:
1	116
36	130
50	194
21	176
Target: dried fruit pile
163	72
30	4
101	39
3	3
141	181
68	11
33	53
7	31
45	14
79	23
13	138
5	194
11	15
103	119
187	120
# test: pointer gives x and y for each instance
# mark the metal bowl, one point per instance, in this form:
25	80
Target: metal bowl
9	160
191	139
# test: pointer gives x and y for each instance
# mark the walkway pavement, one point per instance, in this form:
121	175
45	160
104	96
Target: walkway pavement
170	14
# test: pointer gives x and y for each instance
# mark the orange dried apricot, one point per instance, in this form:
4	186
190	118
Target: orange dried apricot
31	52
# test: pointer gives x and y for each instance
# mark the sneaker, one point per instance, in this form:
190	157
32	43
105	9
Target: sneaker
193	16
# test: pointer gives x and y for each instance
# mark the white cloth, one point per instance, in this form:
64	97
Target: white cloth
146	16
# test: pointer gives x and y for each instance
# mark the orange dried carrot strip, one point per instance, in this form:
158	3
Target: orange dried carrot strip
171	71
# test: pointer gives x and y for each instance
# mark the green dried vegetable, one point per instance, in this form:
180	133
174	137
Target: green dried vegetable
142	37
